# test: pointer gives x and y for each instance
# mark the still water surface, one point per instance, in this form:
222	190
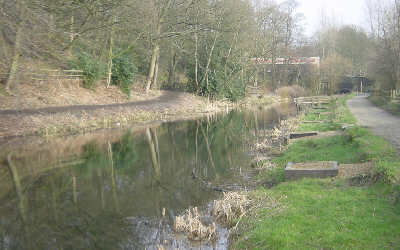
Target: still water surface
110	192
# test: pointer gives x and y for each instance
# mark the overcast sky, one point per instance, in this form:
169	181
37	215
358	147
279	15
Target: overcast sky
344	11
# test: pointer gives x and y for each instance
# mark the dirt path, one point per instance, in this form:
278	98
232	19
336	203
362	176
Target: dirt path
171	105
167	100
378	120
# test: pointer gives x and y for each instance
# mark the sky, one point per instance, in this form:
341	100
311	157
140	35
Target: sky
344	11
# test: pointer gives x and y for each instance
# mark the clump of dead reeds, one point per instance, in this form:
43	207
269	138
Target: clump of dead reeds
190	224
277	137
231	207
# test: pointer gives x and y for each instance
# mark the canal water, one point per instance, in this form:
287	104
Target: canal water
123	189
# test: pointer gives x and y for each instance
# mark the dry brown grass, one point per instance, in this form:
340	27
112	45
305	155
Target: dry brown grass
231	207
68	92
190	224
353	170
277	138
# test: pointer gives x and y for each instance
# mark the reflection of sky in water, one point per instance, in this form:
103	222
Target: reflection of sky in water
93	202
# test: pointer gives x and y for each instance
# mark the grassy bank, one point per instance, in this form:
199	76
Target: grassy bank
357	212
386	103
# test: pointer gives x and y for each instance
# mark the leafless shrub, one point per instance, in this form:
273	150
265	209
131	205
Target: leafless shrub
291	91
280	134
190	224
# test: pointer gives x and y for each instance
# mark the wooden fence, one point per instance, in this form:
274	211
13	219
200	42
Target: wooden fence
49	74
57	75
312	100
254	91
306	103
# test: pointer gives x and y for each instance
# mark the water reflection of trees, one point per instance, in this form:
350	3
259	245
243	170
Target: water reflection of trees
50	219
86	205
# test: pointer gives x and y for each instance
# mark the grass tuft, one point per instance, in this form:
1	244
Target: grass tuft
190	224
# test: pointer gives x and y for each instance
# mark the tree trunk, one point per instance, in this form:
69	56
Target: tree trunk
15	63
156	71
172	68
256	77
112	176
153	151
71	35
210	157
205	76
196	58
197	147
153	62
100	189
18	188
154	59
53	198
74	190
110	57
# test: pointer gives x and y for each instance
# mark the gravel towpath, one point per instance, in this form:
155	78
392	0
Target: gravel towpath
29	121
378	120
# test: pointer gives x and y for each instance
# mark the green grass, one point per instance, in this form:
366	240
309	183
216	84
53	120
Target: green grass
320	127
320	214
341	115
338	148
356	145
329	214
